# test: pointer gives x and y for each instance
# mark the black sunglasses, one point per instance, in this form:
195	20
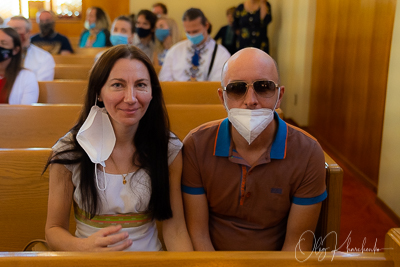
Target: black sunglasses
263	88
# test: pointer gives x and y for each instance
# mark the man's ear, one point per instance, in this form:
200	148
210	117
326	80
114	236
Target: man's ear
221	95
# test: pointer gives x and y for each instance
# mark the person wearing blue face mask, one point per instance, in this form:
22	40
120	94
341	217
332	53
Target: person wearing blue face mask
96	33
145	27
122	31
167	34
199	58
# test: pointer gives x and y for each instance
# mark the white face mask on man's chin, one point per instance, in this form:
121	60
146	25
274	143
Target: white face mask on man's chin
250	123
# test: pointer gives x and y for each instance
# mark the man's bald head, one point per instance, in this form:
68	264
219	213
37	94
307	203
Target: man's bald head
245	61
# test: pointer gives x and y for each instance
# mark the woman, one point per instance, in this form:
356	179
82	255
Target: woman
96	33
145	26
167	34
122	31
18	86
119	165
250	24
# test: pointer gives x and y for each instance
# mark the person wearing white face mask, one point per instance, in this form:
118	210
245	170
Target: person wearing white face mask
199	58
119	166
251	181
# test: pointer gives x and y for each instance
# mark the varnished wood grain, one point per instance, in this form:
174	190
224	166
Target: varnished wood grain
349	76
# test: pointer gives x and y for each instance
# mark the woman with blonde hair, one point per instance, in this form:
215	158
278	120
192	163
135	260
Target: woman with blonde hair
167	34
96	33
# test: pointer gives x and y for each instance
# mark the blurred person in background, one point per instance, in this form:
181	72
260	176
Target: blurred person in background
18	86
96	33
145	27
160	9
48	39
250	24
227	34
34	58
167	34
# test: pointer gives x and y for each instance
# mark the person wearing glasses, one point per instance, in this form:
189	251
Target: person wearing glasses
251	181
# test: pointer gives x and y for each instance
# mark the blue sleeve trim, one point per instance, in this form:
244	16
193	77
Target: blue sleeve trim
310	201
193	190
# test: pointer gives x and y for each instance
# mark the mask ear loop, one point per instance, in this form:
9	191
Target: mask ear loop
279	92
97	180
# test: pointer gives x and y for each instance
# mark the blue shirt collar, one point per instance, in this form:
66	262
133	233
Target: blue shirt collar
278	149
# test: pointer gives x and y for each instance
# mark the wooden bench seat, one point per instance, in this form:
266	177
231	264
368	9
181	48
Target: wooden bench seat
388	258
23	197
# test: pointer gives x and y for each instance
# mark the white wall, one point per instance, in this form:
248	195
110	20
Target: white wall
389	173
293	40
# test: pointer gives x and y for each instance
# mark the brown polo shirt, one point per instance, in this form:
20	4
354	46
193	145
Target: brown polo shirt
249	205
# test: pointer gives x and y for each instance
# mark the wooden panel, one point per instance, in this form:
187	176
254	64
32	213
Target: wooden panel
23	197
349	76
74	59
193	259
62	92
24	126
74	72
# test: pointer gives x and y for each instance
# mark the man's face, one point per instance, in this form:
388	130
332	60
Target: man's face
20	26
193	27
46	23
158	11
248	67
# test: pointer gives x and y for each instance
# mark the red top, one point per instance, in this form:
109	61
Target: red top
3	98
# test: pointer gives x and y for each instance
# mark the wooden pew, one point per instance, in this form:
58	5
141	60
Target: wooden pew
62	92
92	51
74	59
387	258
72	92
27	126
43	125
72	72
23	197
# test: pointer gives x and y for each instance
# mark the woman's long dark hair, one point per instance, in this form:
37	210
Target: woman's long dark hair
151	138
15	65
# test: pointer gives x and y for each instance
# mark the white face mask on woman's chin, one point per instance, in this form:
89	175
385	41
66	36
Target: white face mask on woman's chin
96	136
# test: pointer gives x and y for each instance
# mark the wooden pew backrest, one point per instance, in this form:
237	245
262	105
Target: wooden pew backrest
62	92
74	59
23	197
89	51
191	92
72	72
27	126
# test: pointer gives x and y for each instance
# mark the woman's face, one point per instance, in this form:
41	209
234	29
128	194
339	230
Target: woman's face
127	93
123	27
6	42
162	24
141	22
91	16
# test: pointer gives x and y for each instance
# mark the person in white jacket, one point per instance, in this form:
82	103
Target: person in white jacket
35	59
199	57
17	85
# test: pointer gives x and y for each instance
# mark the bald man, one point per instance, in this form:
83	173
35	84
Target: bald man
251	181
48	39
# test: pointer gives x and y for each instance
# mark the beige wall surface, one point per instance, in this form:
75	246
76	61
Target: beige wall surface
389	172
